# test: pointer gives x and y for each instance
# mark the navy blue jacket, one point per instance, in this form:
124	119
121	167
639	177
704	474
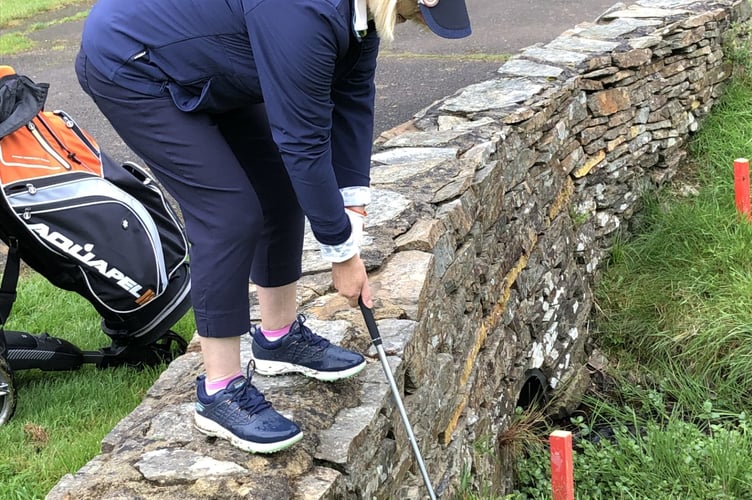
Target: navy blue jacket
301	58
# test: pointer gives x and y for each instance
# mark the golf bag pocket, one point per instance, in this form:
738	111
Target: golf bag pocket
117	253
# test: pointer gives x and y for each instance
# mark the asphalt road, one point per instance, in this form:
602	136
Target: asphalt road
417	69
420	68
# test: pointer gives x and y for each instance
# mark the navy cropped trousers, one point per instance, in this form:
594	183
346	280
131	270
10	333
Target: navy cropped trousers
241	214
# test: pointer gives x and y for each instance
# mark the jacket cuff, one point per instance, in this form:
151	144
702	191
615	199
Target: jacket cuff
355	196
341	252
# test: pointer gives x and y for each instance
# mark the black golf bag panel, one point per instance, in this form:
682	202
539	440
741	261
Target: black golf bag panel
109	236
88	225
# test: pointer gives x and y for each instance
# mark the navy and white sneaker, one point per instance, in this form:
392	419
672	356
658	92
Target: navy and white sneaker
242	415
302	351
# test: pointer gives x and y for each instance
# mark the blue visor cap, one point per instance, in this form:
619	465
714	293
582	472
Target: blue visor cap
446	18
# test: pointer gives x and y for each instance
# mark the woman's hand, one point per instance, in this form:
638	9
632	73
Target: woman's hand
351	281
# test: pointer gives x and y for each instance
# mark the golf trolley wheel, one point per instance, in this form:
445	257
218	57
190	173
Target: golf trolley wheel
167	348
7	392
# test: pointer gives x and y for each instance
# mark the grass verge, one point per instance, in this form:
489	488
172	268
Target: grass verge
15	11
15	15
62	417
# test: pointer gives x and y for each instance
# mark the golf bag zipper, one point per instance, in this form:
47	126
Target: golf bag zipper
46	145
71	124
68	121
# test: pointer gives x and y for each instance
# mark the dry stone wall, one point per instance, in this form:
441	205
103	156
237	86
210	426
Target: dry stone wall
493	212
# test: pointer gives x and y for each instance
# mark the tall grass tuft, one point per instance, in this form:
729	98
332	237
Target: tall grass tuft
678	296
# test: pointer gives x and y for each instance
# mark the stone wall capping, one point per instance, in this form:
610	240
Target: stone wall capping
615	28
565	58
640	11
493	211
517	67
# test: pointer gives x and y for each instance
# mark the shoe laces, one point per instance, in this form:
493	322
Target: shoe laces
308	336
247	396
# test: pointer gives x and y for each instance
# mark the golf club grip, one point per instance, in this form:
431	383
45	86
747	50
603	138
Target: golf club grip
373	331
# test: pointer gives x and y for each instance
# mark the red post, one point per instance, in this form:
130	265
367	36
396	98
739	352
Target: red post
562	467
741	186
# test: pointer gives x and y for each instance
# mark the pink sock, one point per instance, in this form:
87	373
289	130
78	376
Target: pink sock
272	335
214	386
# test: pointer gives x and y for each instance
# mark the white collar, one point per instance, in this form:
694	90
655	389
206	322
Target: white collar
360	16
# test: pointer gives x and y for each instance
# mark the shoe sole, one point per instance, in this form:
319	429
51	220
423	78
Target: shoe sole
272	368
212	428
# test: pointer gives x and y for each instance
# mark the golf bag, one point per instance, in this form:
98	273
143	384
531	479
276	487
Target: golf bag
88	225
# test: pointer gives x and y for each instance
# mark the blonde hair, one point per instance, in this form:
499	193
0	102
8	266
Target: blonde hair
386	12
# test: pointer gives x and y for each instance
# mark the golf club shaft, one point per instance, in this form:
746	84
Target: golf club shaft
376	339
